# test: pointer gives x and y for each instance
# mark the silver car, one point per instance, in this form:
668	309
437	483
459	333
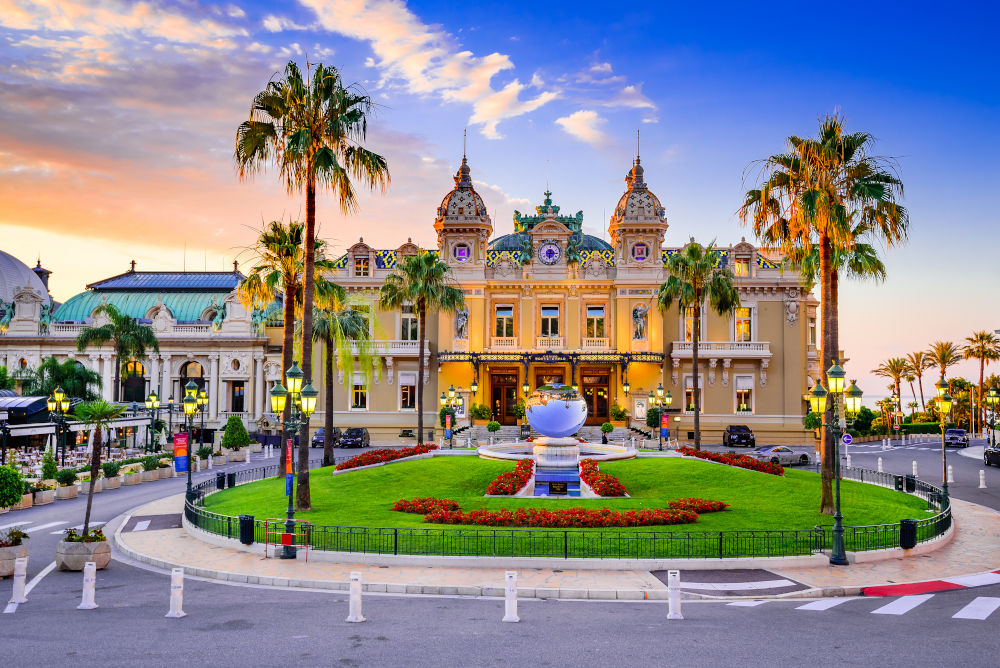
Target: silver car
781	454
957	438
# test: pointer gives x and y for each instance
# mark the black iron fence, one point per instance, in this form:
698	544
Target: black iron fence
577	543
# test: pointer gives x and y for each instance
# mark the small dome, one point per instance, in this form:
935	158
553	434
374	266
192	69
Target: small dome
512	242
15	274
463	200
638	201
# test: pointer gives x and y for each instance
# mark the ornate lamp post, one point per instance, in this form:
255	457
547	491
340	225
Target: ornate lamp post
202	405
944	404
451	400
993	401
58	405
170	418
190	408
302	406
153	407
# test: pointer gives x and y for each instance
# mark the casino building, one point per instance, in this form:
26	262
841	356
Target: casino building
546	303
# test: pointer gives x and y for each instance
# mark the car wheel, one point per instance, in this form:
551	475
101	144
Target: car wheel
774	460
804	459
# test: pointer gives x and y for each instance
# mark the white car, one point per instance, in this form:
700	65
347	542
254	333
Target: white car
781	454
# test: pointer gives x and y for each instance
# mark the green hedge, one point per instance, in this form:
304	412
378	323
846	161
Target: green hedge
925	428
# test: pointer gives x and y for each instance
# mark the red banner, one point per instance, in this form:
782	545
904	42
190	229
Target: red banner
664	421
180	445
288	449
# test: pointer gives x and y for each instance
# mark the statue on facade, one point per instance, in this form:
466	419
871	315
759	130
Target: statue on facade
526	250
462	324
6	313
220	315
640	317
573	251
257	320
45	317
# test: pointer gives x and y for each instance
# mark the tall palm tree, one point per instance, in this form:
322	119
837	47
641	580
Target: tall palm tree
944	354
694	281
424	281
985	347
909	379
919	362
312	131
894	369
129	339
98	415
75	379
818	195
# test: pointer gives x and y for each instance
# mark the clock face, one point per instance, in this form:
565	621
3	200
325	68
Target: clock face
549	253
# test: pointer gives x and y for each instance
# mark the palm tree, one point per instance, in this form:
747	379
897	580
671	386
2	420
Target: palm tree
312	132
944	354
75	379
984	347
919	362
693	281
894	368
98	415
344	333
909	379
129	339
820	194
425	281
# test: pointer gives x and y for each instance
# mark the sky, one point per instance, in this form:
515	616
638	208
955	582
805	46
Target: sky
118	119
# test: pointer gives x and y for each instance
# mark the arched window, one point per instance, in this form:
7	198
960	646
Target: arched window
191	371
133	382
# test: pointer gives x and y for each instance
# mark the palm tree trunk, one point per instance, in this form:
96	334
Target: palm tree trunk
422	319
95	469
328	406
286	363
828	338
302	497
920	384
694	369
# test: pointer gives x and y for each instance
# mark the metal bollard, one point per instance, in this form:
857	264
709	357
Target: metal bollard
510	597
982	479
915	469
354	613
20	575
880	465
176	593
89	584
848	461
674	595
951	474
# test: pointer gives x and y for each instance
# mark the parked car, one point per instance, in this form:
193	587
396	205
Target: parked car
319	438
738	434
355	437
781	454
956	437
991	455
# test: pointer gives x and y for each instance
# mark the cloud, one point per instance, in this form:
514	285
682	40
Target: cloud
429	60
274	23
235	12
632	98
601	68
585	125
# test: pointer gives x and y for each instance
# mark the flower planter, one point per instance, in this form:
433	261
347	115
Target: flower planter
219	460
85	486
237	455
73	556
165	472
67	492
619	424
256	447
43	497
132	478
7	557
26	502
113	483
150	476
5	509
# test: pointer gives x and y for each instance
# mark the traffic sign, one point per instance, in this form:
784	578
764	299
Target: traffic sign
846	438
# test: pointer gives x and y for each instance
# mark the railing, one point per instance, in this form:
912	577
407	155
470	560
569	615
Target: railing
727	348
549	342
591	343
504	342
580	543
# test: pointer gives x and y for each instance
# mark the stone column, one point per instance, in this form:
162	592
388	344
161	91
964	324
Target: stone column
167	381
213	387
154	375
258	387
108	377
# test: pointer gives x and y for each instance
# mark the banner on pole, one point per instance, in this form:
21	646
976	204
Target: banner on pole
181	452
447	426
288	484
664	425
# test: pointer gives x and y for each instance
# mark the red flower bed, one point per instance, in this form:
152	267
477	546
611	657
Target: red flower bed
383	455
425	505
513	481
732	459
564	518
603	484
698	505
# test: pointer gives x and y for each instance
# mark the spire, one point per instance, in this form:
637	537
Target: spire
465	136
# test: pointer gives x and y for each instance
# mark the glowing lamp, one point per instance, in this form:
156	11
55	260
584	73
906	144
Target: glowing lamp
835	376
817	398
942	387
944	403
279	395
308	399
293	377
190	405
59	394
852	399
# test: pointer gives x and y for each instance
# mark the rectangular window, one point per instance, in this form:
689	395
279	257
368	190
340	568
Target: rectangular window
744	394
550	321
689	392
689	323
812	331
595	322
359	396
360	266
505	321
741	267
236	398
744	327
407	397
408	324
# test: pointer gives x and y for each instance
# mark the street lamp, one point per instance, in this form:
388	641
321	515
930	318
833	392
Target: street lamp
626	388
303	405
525	387
474	387
451	401
944	403
202	404
58	405
170	418
993	401
190	407
153	406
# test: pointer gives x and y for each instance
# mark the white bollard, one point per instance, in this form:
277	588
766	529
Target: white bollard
491	441
20	575
915	469
674	595
89	584
176	593
210	462
510	597
982	479
951	475
355	603
248	456
848	461
880	465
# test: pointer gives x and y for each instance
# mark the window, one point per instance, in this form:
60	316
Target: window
236	397
689	393
408	324
550	320
360	266
688	323
595	322
407	391
640	251
744	394
812	331
744	328
359	396
505	321
741	267
461	252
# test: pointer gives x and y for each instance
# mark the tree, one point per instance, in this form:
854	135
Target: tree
75	379
313	133
919	362
694	280
909	379
894	369
129	339
944	354
984	347
344	333
821	194
7	382
235	435
98	415
424	281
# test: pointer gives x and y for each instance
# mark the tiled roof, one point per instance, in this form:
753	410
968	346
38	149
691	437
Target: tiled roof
185	306
171	280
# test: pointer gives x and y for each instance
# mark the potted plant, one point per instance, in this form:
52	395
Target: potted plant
235	438
42	493
132	474
66	489
204	452
49	466
85	481
480	414
165	469
606	429
111	478
219	458
11	487
256	446
493	427
76	549
619	416
26	497
12	547
519	410
150	468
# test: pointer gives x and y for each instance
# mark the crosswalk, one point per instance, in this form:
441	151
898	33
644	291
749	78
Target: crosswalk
27	526
980	608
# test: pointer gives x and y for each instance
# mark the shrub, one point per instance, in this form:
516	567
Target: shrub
493	426
150	463
447	410
922	428
49	466
512	482
607	428
111	469
204	452
11	486
383	455
699	506
235	435
863	420
653	417
519	409
92	536
425	505
12	537
618	414
66	477
732	459
812	421
603	484
564	518
480	412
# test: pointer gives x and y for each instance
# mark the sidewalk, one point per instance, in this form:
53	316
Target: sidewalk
972	550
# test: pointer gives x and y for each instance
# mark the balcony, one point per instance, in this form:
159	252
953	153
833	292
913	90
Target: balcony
593	343
504	343
723	349
549	343
395	348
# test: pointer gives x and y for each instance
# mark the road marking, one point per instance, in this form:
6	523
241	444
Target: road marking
49	525
141	526
746	604
729	586
79	527
15	524
977	580
902	605
980	608
825	604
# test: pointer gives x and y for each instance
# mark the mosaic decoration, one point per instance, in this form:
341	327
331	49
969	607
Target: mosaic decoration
721	256
493	257
764	263
340	262
607	256
385	259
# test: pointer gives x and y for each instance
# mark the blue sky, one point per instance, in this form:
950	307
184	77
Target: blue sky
117	122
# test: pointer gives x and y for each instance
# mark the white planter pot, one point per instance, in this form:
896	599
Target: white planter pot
237	455
150	476
67	492
165	472
7	557
132	478
73	556
85	486
4	509
113	483
44	497
219	460
256	447
26	502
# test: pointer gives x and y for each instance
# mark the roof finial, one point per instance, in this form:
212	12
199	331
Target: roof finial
465	135
236	266
132	269
637	144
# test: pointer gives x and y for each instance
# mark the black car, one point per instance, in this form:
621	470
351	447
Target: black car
991	455
319	438
957	438
355	437
738	434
